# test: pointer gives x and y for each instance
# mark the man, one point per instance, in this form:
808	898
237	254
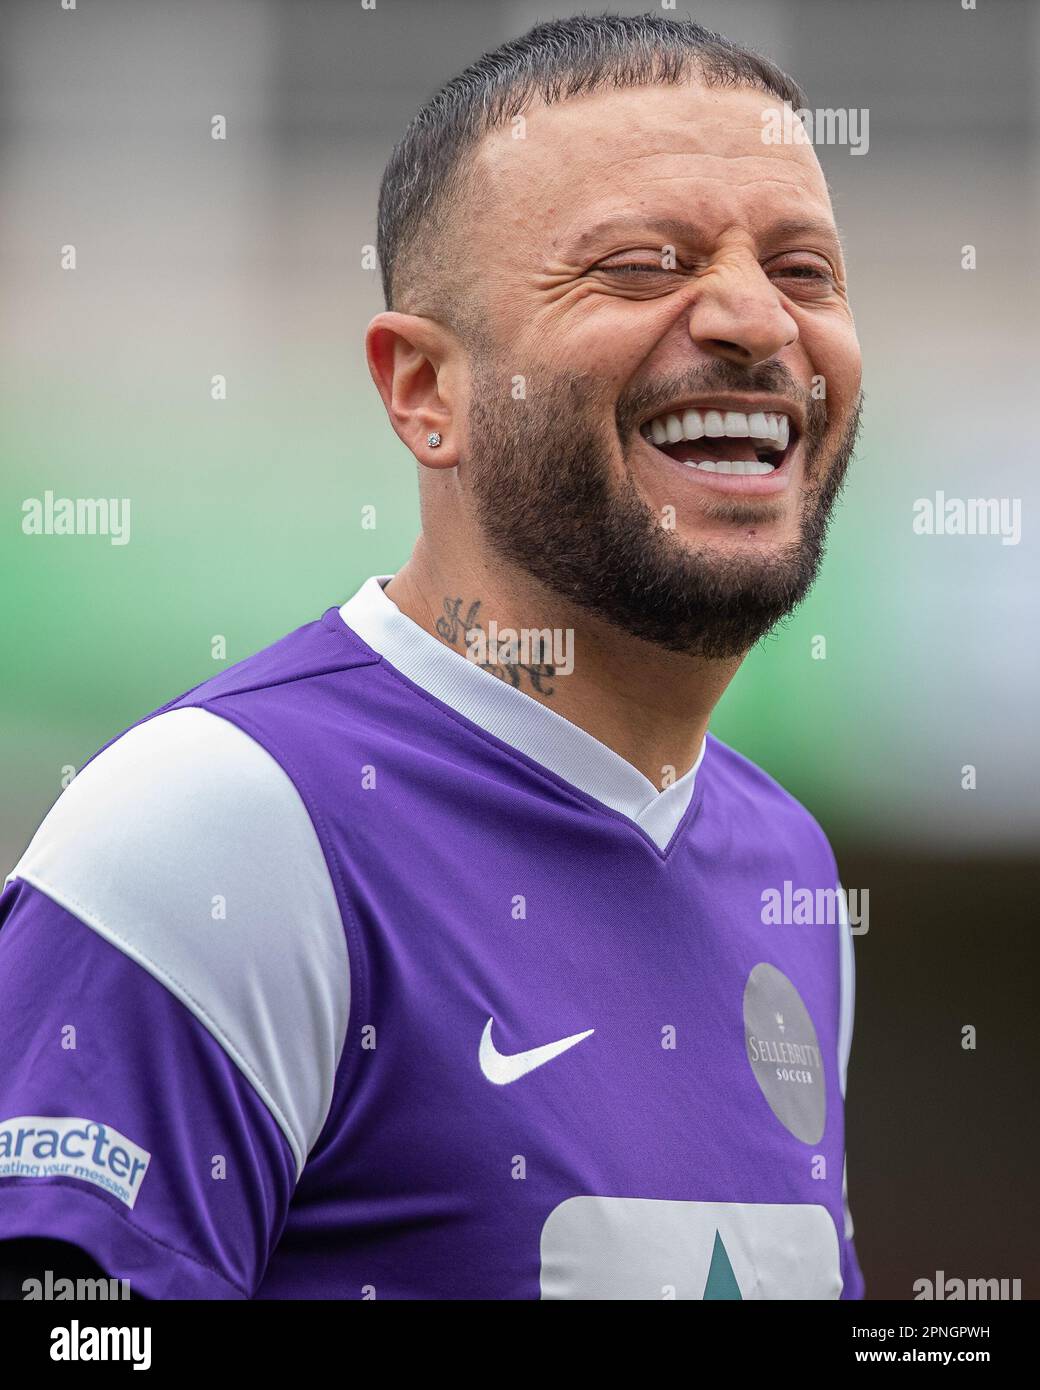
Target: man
423	954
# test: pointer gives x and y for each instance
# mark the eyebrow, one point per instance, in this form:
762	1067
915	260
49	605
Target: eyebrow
672	228
805	226
676	229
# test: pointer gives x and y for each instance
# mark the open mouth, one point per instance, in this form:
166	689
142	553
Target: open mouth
726	442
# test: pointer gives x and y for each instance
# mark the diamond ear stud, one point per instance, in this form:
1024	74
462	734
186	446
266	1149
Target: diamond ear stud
433	440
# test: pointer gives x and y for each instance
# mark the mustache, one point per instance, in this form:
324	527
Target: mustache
767	378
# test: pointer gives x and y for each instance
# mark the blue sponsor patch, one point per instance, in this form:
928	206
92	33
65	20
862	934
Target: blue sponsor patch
64	1146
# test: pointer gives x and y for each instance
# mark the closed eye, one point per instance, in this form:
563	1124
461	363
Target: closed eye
805	272
633	268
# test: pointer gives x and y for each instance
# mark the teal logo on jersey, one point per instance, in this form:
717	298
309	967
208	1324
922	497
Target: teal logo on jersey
722	1282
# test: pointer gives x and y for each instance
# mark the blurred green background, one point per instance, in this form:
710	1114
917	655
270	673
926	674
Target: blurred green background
246	257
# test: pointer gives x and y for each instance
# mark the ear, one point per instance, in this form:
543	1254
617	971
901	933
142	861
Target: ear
412	361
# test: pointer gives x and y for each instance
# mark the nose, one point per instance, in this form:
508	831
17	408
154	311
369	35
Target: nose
739	316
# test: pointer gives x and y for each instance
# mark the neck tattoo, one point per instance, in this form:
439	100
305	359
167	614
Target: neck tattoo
497	653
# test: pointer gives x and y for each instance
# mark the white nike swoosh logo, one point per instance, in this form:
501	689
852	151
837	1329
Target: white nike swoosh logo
501	1069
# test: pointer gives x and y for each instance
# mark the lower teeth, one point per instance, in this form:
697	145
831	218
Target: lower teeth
739	467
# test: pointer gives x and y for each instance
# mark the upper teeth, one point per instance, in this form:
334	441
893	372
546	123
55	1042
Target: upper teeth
773	430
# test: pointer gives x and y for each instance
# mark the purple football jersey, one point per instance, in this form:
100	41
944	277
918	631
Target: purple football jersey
356	973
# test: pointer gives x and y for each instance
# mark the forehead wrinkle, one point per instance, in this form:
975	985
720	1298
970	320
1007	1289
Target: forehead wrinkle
719	178
772	179
672	153
789	162
784	176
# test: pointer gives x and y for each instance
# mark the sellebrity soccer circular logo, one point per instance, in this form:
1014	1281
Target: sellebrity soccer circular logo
784	1053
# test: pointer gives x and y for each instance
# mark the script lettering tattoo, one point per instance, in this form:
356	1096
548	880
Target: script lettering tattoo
456	629
448	626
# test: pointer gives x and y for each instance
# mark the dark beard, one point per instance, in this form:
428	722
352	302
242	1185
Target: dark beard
548	505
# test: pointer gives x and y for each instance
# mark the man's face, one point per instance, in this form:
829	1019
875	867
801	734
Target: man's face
655	272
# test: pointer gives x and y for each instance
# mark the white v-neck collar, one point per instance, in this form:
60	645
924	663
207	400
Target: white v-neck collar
517	718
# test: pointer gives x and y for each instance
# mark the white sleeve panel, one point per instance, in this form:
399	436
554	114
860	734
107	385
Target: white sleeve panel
847	965
183	817
847	969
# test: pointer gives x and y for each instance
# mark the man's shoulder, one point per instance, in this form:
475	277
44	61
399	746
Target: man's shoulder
231	776
206	763
181	810
307	654
193	816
